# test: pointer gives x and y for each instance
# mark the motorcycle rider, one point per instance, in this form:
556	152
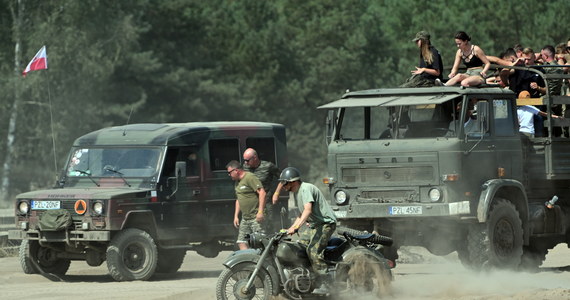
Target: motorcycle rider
315	210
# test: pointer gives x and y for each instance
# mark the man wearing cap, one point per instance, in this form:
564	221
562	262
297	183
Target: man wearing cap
430	65
315	210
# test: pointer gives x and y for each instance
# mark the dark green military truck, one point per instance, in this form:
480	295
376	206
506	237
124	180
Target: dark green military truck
139	196
446	168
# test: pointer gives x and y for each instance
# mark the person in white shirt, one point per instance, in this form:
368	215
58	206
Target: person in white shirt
525	115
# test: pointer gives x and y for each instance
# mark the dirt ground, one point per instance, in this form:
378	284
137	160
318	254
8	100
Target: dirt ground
425	277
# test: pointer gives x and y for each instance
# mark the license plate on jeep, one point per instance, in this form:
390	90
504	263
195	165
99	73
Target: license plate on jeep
46	205
405	210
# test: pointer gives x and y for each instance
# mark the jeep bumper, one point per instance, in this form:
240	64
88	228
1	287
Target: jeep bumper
60	236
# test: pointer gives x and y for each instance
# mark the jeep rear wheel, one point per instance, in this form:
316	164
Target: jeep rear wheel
499	242
132	255
33	256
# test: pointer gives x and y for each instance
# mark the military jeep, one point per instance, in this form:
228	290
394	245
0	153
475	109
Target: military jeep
139	196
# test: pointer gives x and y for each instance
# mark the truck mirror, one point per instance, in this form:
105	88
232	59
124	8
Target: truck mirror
330	125
483	116
180	169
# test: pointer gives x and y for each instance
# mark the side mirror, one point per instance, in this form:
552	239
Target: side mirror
180	169
483	116
330	125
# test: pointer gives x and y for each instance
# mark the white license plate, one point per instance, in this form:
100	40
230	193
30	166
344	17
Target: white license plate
46	204
405	210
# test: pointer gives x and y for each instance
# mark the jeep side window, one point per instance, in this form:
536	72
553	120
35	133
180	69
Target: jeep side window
191	157
223	151
264	146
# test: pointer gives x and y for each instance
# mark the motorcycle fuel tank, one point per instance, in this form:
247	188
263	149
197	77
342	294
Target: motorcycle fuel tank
292	253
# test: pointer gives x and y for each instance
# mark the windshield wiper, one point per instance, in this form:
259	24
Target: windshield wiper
110	169
88	175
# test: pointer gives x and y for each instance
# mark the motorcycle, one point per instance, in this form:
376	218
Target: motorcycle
277	265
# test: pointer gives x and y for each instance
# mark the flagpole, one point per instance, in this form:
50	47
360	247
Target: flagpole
51	124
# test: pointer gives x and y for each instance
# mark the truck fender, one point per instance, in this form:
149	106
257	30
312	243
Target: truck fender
141	219
253	256
509	189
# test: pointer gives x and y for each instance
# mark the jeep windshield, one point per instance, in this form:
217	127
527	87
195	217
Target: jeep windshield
112	162
401	118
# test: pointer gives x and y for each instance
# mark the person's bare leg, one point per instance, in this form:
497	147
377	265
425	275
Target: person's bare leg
456	79
472	81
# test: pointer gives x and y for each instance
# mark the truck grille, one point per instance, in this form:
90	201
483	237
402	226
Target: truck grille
384	175
388	196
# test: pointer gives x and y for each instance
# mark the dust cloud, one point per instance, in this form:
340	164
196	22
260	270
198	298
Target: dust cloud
446	278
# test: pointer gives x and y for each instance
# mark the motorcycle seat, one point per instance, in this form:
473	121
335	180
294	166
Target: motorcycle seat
362	237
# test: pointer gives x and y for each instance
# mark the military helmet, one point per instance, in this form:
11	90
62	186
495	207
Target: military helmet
290	174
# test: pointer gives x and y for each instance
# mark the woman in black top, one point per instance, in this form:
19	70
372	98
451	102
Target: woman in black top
430	65
474	60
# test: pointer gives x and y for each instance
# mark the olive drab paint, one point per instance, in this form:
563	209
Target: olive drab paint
446	168
158	189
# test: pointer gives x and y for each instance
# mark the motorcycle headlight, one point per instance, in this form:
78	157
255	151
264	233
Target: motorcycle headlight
254	240
98	208
434	195
23	207
341	197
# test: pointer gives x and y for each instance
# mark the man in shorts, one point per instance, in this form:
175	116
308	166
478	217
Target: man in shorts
250	202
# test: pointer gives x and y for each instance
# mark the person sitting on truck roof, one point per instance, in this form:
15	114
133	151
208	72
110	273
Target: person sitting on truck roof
473	58
250	202
430	65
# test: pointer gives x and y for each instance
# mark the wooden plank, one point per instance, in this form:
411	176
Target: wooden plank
530	101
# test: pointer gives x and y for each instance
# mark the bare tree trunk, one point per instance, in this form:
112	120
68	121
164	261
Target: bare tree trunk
17	19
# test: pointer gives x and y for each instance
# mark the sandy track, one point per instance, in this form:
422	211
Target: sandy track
432	278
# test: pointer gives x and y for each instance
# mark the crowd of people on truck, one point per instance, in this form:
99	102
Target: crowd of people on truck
524	83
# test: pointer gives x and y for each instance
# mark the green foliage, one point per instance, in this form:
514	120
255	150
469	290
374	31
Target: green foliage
189	60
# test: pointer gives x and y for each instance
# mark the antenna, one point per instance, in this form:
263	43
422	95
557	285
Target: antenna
51	124
128	120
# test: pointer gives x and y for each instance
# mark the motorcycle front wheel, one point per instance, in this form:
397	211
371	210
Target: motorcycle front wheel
232	281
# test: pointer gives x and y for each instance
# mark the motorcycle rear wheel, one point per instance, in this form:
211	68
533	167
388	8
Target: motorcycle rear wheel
232	280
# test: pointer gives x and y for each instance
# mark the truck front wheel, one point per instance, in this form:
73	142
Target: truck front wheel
499	242
132	255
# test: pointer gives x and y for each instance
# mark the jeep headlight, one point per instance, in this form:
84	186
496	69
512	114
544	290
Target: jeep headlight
434	195
23	207
341	197
98	208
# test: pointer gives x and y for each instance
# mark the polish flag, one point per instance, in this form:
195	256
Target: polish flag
39	62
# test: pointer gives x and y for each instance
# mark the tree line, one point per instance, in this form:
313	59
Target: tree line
189	60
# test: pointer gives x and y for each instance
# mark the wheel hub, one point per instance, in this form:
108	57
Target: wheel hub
240	291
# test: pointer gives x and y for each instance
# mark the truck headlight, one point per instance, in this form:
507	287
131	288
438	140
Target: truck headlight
98	208
434	195
23	207
341	197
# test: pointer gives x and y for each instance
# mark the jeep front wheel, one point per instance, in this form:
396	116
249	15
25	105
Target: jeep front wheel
132	255
499	242
33	256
